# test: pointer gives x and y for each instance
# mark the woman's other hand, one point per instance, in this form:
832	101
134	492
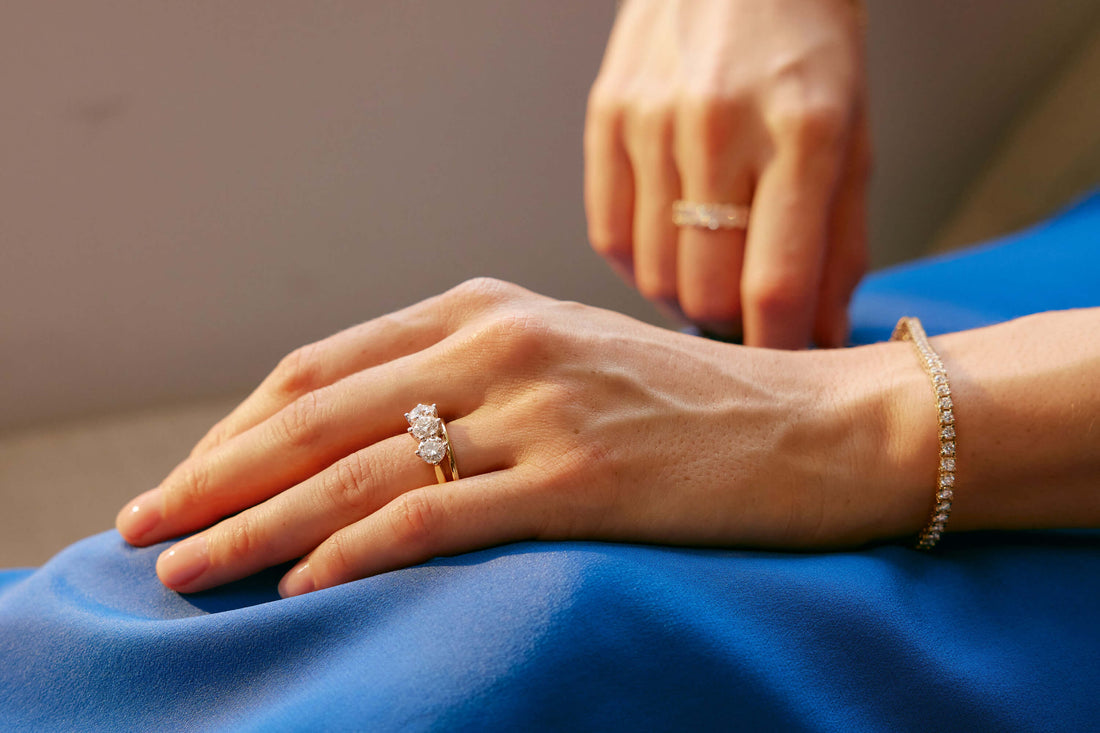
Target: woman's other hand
567	422
748	102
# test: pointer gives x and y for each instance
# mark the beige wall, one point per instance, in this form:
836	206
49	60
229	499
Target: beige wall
189	190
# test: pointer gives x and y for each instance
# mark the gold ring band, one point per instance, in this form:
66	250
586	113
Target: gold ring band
426	426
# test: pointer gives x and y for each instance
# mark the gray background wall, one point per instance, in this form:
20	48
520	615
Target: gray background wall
190	190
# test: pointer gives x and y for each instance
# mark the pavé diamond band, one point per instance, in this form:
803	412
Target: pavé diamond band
435	444
710	216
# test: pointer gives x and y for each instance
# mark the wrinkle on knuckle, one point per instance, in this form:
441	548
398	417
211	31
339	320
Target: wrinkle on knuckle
347	483
298	425
193	484
238	541
515	339
413	520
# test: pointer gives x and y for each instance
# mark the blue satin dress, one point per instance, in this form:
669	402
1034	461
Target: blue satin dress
994	632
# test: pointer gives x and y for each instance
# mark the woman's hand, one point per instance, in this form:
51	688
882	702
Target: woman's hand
567	422
748	102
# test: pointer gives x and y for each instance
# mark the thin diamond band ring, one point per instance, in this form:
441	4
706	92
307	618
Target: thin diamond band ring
710	216
435	445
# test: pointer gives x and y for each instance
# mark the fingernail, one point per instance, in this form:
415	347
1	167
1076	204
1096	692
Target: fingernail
141	516
184	563
297	581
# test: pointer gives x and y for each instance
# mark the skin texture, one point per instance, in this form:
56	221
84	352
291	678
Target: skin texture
573	422
743	102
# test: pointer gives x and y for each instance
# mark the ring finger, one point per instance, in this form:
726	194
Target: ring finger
294	522
307	436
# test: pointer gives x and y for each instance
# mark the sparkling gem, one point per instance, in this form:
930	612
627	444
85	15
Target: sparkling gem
947	416
933	535
939	379
432	450
942	390
945	403
945	495
947	464
420	411
426	427
948	448
943	507
947	433
941	518
948	479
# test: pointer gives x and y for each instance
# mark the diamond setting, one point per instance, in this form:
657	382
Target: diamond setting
432	450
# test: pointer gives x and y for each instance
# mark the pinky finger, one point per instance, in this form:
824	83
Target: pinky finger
445	519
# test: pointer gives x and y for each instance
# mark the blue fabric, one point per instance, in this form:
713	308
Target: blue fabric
996	632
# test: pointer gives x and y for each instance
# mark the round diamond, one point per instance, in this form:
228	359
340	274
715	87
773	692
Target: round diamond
948	448
432	450
425	426
948	479
947	433
420	411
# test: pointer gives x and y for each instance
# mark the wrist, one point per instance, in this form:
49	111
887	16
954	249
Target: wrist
885	408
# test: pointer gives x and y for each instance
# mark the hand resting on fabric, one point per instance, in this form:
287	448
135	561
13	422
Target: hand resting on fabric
572	422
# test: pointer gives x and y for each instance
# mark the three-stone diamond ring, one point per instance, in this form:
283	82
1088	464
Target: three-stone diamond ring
435	445
710	216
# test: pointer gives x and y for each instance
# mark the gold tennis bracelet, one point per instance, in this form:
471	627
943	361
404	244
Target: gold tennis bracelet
910	329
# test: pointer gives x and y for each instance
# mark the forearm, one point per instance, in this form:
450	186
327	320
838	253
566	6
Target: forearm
1026	402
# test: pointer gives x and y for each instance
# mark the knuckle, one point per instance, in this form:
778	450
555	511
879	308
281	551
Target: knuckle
710	307
298	424
655	286
299	371
517	338
484	290
654	121
608	239
777	296
194	483
213	438
605	108
346	484
239	540
809	126
708	122
413	519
